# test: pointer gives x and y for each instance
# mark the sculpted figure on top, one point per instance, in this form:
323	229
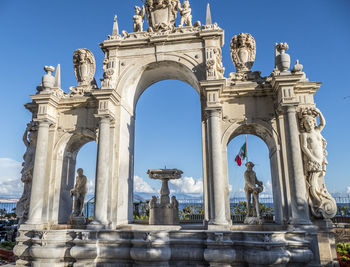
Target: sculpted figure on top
29	139
139	18
186	17
84	68
243	51
314	150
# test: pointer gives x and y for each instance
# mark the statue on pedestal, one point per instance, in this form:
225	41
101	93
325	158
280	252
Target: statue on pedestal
79	192
313	145
29	139
253	187
139	18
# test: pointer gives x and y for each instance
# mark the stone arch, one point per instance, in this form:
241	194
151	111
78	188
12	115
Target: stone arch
138	77
67	149
266	133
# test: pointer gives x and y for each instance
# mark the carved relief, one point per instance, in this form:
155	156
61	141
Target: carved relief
243	51
314	155
215	68
84	68
29	139
109	75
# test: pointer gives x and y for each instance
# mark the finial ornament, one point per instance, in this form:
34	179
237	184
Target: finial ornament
243	52
208	20
298	68
48	81
115	31
282	58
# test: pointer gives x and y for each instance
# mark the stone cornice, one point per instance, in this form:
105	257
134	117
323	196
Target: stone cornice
107	94
139	39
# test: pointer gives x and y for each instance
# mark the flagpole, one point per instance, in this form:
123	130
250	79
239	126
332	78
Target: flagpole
246	146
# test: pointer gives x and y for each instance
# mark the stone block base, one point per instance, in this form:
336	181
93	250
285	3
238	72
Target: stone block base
165	247
164	215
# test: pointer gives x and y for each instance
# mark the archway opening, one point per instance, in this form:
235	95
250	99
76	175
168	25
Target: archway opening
240	150
80	152
168	135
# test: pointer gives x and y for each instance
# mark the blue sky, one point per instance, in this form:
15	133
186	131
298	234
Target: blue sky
38	33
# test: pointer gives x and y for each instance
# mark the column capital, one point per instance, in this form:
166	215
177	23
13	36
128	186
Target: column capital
105	117
213	111
44	121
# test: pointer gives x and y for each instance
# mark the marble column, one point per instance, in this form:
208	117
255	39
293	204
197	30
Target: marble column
300	209
102	172
217	175
37	201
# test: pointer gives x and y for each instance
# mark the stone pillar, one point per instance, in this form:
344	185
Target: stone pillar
300	208
37	201
217	175
102	171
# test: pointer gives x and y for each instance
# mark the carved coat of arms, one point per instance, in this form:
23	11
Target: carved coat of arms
243	51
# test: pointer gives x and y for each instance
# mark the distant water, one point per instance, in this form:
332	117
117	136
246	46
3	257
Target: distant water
8	206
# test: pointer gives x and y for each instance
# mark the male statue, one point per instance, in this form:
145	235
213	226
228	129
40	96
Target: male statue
252	187
79	191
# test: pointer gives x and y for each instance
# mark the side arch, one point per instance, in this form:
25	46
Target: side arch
265	132
66	150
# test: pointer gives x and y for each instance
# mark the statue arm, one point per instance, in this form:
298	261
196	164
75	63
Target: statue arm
143	12
322	120
25	138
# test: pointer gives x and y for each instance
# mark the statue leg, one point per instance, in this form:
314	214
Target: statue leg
247	194
256	207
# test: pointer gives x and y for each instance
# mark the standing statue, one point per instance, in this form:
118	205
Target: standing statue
314	149
252	187
29	139
185	12
79	191
139	18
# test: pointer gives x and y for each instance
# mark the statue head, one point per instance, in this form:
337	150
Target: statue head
249	165
137	10
309	123
186	4
80	171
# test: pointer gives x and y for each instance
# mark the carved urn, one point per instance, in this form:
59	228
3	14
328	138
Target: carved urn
48	80
283	59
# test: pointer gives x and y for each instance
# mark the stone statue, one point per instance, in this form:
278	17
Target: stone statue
153	202
29	139
139	18
314	150
84	68
243	52
253	187
174	202
79	191
218	61
186	17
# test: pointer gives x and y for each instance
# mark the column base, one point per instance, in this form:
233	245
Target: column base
95	225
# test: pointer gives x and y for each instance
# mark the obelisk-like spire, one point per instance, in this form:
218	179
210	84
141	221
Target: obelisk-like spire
115	31
208	18
58	77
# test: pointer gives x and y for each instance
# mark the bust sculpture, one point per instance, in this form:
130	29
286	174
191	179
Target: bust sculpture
253	187
79	192
139	18
314	149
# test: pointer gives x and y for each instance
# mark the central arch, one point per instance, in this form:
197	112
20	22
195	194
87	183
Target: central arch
135	80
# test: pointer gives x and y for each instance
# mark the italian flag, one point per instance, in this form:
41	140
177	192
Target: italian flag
242	154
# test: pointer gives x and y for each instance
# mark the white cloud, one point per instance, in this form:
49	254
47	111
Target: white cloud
348	190
10	174
187	185
91	187
141	186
